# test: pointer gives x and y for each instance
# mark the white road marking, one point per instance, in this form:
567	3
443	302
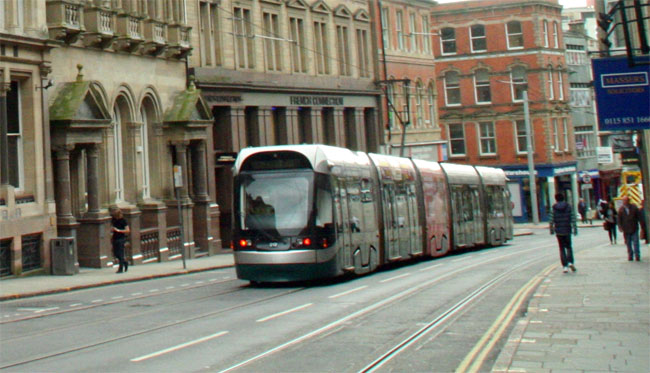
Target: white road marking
267	318
178	347
153	290
395	278
136	294
118	297
431	267
97	301
213	279
199	282
75	305
47	309
184	285
348	292
169	287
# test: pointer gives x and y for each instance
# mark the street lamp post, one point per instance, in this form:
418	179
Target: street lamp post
532	180
532	183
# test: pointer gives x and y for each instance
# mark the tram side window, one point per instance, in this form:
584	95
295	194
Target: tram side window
324	204
468	211
356	212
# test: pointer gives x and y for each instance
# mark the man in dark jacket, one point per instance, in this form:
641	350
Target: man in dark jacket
563	223
629	218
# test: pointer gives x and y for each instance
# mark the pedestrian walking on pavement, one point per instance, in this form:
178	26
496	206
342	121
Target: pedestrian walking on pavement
610	222
582	210
562	224
629	218
120	230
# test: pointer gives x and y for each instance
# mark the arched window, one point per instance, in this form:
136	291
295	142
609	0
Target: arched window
452	88
419	120
432	105
560	85
448	40
551	85
515	35
482	86
143	153
118	165
518	83
545	35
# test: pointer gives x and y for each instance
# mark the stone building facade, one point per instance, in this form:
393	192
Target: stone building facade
407	77
27	210
488	53
282	72
118	115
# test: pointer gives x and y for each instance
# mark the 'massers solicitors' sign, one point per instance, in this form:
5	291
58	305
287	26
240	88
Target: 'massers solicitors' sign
622	94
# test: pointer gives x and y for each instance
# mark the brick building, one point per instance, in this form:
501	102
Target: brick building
407	76
488	54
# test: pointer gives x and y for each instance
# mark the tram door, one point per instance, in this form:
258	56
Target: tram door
343	224
414	226
403	223
479	228
391	221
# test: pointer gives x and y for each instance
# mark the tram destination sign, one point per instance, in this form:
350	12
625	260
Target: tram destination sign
622	94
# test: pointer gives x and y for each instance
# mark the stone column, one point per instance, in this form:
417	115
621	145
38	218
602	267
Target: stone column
359	130
316	126
186	203
266	133
94	233
292	126
66	223
63	188
181	160
339	127
92	167
237	123
201	210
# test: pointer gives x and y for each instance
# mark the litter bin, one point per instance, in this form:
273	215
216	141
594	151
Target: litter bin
63	258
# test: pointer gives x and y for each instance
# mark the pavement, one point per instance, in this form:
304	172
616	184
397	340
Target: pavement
597	319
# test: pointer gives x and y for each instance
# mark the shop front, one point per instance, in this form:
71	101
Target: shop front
550	179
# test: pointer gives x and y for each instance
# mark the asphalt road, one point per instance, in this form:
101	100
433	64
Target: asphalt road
426	315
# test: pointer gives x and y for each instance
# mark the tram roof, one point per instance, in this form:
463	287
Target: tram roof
491	175
321	157
460	173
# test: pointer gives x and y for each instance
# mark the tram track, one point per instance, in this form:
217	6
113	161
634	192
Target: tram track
139	332
437	324
117	301
400	346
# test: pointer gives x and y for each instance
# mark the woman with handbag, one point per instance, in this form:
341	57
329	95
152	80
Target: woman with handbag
610	222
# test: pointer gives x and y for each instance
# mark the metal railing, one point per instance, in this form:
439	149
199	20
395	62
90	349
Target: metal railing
31	252
5	258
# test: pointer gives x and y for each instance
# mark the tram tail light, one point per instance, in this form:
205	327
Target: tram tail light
325	244
306	241
245	243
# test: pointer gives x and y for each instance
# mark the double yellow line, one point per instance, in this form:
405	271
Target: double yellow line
476	357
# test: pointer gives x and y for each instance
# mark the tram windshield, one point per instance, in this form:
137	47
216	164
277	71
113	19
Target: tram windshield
276	203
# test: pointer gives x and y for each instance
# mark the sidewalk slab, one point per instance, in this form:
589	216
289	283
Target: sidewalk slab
597	319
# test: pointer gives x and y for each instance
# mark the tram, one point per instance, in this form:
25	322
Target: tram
304	212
